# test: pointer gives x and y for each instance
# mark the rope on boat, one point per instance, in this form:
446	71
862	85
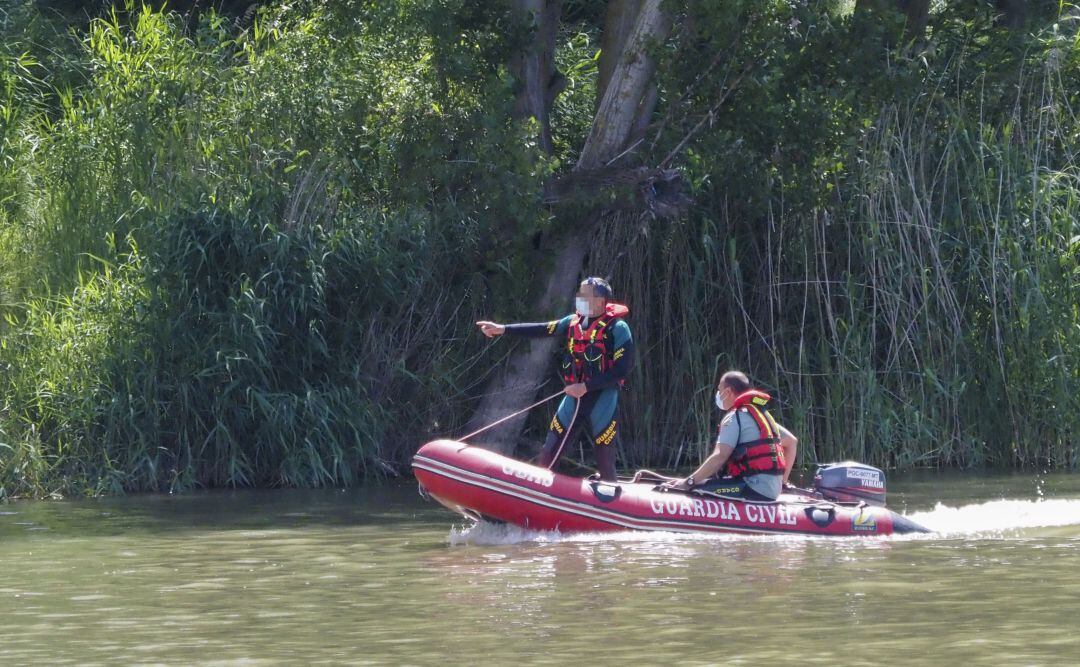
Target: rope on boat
511	416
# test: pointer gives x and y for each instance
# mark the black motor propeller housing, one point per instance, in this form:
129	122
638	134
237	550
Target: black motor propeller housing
850	482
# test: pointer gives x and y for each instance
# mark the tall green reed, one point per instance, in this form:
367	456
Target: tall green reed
923	314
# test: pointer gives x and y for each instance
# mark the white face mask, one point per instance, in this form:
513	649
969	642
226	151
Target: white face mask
719	401
582	306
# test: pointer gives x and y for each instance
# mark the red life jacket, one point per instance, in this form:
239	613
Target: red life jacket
761	456
587	352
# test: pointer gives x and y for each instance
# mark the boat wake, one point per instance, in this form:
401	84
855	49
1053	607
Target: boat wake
998	516
992	518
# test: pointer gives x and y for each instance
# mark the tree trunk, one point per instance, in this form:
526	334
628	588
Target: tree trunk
916	15
1011	13
534	67
618	24
644	114
625	86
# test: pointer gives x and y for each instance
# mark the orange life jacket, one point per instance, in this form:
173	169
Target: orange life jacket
763	456
588	352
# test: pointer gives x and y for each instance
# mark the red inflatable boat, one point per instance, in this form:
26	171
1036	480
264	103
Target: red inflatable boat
481	484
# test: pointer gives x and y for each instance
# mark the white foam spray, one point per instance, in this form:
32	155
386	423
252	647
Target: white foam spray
492	534
992	518
999	516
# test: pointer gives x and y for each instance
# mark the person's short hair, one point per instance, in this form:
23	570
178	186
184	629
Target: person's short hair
600	285
736	381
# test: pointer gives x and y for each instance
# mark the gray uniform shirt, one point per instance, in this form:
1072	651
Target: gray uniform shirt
745	429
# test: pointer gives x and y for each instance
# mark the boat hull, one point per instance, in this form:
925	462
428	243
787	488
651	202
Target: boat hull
479	483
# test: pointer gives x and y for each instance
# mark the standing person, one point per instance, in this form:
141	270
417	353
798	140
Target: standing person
597	358
753	455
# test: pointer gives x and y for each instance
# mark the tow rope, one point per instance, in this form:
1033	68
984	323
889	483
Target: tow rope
566	434
515	414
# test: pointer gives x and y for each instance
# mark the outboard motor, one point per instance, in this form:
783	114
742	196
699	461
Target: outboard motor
850	482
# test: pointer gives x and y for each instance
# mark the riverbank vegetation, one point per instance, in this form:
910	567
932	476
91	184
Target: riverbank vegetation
247	248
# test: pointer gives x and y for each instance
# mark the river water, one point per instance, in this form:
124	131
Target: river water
377	576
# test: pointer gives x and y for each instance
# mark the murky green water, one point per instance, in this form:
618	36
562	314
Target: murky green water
372	577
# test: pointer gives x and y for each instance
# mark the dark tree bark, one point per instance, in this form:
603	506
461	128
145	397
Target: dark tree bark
916	15
626	89
1011	13
618	24
534	67
625	77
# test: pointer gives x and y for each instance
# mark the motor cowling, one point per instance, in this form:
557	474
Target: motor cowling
850	482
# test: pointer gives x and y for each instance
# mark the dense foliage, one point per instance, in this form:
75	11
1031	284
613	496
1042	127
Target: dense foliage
248	250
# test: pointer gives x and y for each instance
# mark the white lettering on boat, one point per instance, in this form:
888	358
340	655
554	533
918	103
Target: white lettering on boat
710	509
732	513
771	514
542	477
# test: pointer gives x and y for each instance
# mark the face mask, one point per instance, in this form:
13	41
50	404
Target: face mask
719	401
582	306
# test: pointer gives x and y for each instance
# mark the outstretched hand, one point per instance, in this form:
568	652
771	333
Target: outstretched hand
491	329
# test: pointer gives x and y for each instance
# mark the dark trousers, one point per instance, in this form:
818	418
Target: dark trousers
597	411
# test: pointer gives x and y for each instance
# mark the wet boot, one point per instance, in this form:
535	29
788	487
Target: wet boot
605	462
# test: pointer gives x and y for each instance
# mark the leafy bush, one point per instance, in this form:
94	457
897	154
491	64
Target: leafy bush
293	300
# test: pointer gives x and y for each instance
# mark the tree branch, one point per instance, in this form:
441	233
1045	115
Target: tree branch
707	118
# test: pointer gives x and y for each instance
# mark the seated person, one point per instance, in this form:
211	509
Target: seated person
753	453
